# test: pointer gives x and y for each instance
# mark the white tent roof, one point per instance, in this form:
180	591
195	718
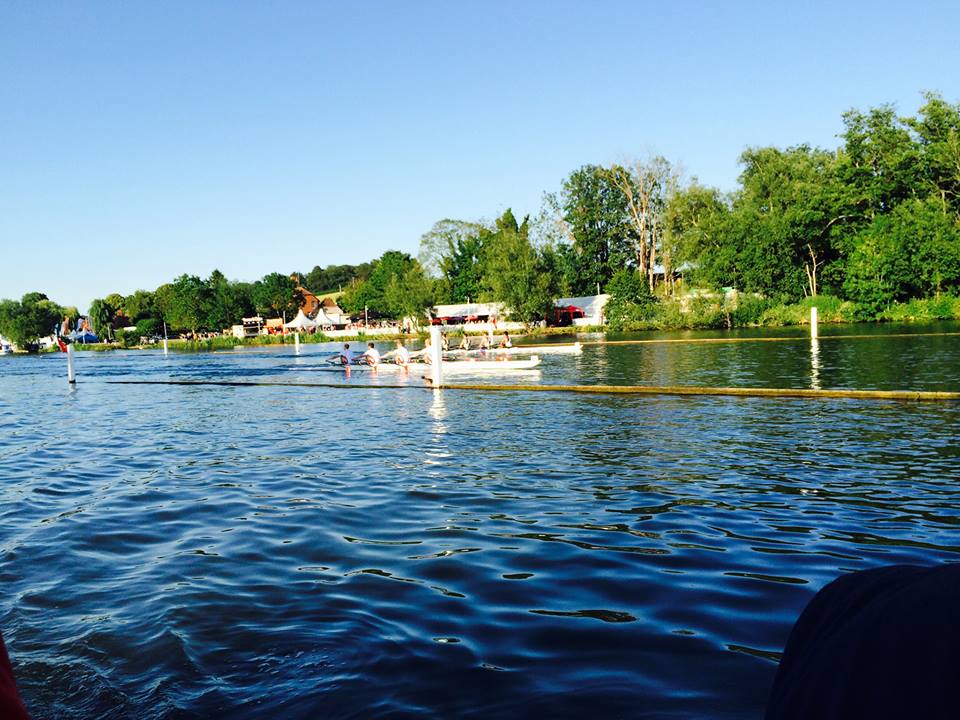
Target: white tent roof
467	309
323	319
300	322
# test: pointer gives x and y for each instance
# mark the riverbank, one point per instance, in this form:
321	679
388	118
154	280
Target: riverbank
228	342
694	314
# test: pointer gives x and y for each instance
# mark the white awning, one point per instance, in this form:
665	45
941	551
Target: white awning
301	322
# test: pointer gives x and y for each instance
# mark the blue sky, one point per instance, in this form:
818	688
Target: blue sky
139	141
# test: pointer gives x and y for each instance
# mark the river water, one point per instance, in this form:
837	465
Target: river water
203	551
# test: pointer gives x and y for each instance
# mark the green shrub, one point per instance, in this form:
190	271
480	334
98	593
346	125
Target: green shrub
943	307
747	310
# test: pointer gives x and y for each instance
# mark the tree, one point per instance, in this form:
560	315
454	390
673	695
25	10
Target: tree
462	269
437	242
24	322
630	297
226	302
397	288
515	272
881	160
276	295
184	304
691	220
334	277
646	188
593	214
139	306
912	252
101	317
937	130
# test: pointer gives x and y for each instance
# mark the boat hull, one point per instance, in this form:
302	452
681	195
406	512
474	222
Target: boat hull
575	349
466	366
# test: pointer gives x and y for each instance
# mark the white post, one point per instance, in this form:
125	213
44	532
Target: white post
296	342
436	355
71	375
164	337
813	323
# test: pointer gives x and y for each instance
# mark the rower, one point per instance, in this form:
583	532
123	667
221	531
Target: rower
401	356
464	343
444	343
425	355
371	355
505	342
346	355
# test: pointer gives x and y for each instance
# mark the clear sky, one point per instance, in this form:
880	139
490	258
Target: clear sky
140	141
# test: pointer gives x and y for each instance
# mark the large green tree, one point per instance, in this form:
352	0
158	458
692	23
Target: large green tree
184	303
594	212
515	272
33	317
102	314
277	295
397	288
333	278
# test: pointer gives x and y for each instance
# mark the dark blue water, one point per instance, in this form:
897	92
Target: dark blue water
252	552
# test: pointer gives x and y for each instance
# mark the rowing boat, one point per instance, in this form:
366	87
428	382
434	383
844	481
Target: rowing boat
468	365
575	349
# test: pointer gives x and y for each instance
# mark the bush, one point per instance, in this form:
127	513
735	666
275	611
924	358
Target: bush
747	310
944	307
830	309
128	339
148	327
631	305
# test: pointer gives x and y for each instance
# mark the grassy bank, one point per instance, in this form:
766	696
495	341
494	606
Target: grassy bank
702	313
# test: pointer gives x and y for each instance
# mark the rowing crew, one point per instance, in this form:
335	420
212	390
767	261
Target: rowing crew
401	356
486	343
371	356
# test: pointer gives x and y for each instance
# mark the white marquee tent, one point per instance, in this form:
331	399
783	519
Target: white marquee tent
301	322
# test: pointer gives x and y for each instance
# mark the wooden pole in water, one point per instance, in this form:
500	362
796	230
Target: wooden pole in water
436	356
71	375
813	322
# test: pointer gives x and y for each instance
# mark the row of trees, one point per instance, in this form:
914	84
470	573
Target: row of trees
195	304
874	221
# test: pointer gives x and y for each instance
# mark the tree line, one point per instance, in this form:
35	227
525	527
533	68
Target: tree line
870	223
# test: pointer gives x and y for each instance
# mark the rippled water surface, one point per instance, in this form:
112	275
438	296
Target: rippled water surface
299	552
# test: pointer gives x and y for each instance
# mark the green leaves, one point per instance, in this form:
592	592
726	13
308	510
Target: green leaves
24	322
277	295
397	288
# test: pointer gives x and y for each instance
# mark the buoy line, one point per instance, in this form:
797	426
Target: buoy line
685	390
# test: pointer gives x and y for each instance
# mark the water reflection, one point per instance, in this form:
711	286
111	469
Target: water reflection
276	552
814	363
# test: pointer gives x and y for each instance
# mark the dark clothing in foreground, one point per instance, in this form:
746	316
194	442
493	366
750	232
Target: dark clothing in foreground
882	643
11	706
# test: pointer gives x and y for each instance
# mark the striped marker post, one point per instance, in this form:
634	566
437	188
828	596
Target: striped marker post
71	375
436	356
